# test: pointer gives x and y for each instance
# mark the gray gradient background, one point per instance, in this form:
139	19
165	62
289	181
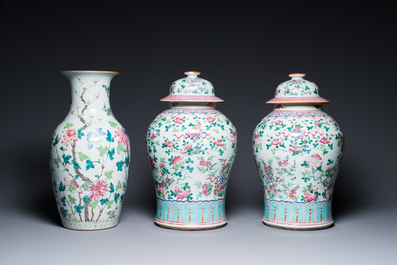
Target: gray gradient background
245	50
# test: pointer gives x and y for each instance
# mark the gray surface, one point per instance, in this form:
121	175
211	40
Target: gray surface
245	51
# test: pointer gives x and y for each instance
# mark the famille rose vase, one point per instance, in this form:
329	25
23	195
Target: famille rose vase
90	156
298	151
191	148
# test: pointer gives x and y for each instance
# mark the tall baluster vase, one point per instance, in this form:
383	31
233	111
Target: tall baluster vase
298	151
90	156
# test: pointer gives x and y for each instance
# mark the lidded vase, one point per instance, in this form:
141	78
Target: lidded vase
90	156
191	149
298	152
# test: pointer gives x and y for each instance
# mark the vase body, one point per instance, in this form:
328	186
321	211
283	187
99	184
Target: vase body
191	152
90	156
298	152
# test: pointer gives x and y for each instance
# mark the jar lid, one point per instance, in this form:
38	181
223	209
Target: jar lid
297	90
192	89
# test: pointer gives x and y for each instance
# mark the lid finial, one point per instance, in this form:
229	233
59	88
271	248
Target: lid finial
297	75
192	74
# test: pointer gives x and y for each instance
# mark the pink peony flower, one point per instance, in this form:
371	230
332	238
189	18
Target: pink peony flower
268	168
295	148
233	137
202	162
68	137
292	193
314	160
257	139
324	140
182	194
318	122
152	162
204	189
178	161
169	143
73	182
218	187
219	142
186	148
309	196
276	141
210	119
123	138
283	163
153	136
161	187
98	189
161	165
178	120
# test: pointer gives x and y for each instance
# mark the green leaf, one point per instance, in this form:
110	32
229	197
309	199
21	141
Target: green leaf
116	197
83	157
113	124
86	199
120	148
85	185
62	187
56	140
111	154
72	200
75	164
57	161
68	125
66	158
102	150
89	165
109	137
111	188
108	174
78	208
93	204
80	133
63	200
118	186
110	204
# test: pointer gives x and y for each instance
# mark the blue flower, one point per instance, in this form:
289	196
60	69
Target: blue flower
90	139
63	211
270	177
305	148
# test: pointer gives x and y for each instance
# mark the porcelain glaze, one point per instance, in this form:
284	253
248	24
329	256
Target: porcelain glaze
298	151
191	148
90	156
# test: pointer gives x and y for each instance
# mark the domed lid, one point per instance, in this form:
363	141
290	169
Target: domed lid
297	90
192	89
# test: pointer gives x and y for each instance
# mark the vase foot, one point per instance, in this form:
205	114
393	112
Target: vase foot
299	227
189	227
93	229
89	226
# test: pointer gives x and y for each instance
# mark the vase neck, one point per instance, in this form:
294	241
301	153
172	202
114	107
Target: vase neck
90	95
192	105
298	107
